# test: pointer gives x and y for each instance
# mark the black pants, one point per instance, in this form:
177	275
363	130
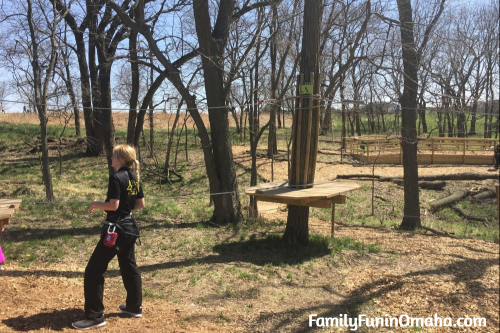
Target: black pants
94	277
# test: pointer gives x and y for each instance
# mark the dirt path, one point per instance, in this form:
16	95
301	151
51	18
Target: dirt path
418	275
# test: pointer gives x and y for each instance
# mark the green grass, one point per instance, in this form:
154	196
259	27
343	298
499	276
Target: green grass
184	204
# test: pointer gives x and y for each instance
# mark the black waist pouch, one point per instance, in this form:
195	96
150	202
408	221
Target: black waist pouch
126	228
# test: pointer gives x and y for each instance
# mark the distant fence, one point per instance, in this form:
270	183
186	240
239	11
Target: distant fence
435	150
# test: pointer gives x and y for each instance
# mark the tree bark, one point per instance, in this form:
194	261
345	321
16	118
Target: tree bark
81	53
106	126
297	226
462	214
408	101
171	139
227	207
41	92
134	95
449	200
428	185
488	194
71	93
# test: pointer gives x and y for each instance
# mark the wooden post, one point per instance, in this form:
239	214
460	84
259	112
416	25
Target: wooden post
316	112
432	151
463	158
333	218
400	153
498	201
308	131
299	132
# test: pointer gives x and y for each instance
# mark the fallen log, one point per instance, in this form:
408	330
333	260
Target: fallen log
460	176
440	233
357	176
6	181
462	214
429	185
488	194
449	200
381	198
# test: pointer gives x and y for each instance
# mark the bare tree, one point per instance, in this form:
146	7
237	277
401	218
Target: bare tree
81	53
353	19
284	38
41	77
411	62
63	68
217	151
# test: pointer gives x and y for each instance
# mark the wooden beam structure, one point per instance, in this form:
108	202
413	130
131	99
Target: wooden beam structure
324	194
7	208
435	150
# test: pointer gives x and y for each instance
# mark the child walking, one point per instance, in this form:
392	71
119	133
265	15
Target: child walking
124	195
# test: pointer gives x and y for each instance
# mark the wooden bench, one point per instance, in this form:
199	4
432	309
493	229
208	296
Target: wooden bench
323	194
7	208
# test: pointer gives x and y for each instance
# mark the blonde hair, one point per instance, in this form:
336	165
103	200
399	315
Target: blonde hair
128	155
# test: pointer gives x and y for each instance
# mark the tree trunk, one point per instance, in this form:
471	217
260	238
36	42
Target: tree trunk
96	148
134	95
472	130
107	127
343	133
408	100
488	194
227	207
71	93
152	114
171	139
40	90
449	122
449	200
305	138
81	54
272	145
144	106
461	130
429	185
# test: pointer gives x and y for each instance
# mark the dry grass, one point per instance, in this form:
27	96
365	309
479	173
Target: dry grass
199	278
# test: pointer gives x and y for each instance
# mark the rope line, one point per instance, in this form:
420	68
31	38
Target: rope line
264	102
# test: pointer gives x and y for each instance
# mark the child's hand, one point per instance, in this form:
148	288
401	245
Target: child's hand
92	206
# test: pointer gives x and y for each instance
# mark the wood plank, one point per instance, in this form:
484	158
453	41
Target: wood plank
6	213
322	203
7	208
318	191
10	202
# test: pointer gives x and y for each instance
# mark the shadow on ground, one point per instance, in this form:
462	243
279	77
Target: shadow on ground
56	320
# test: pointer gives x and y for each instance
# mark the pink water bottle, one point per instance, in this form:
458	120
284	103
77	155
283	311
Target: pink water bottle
110	237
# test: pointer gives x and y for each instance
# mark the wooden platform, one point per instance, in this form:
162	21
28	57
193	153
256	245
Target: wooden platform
434	150
7	208
321	195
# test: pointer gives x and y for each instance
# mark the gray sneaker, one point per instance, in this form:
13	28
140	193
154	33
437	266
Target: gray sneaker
136	314
87	324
